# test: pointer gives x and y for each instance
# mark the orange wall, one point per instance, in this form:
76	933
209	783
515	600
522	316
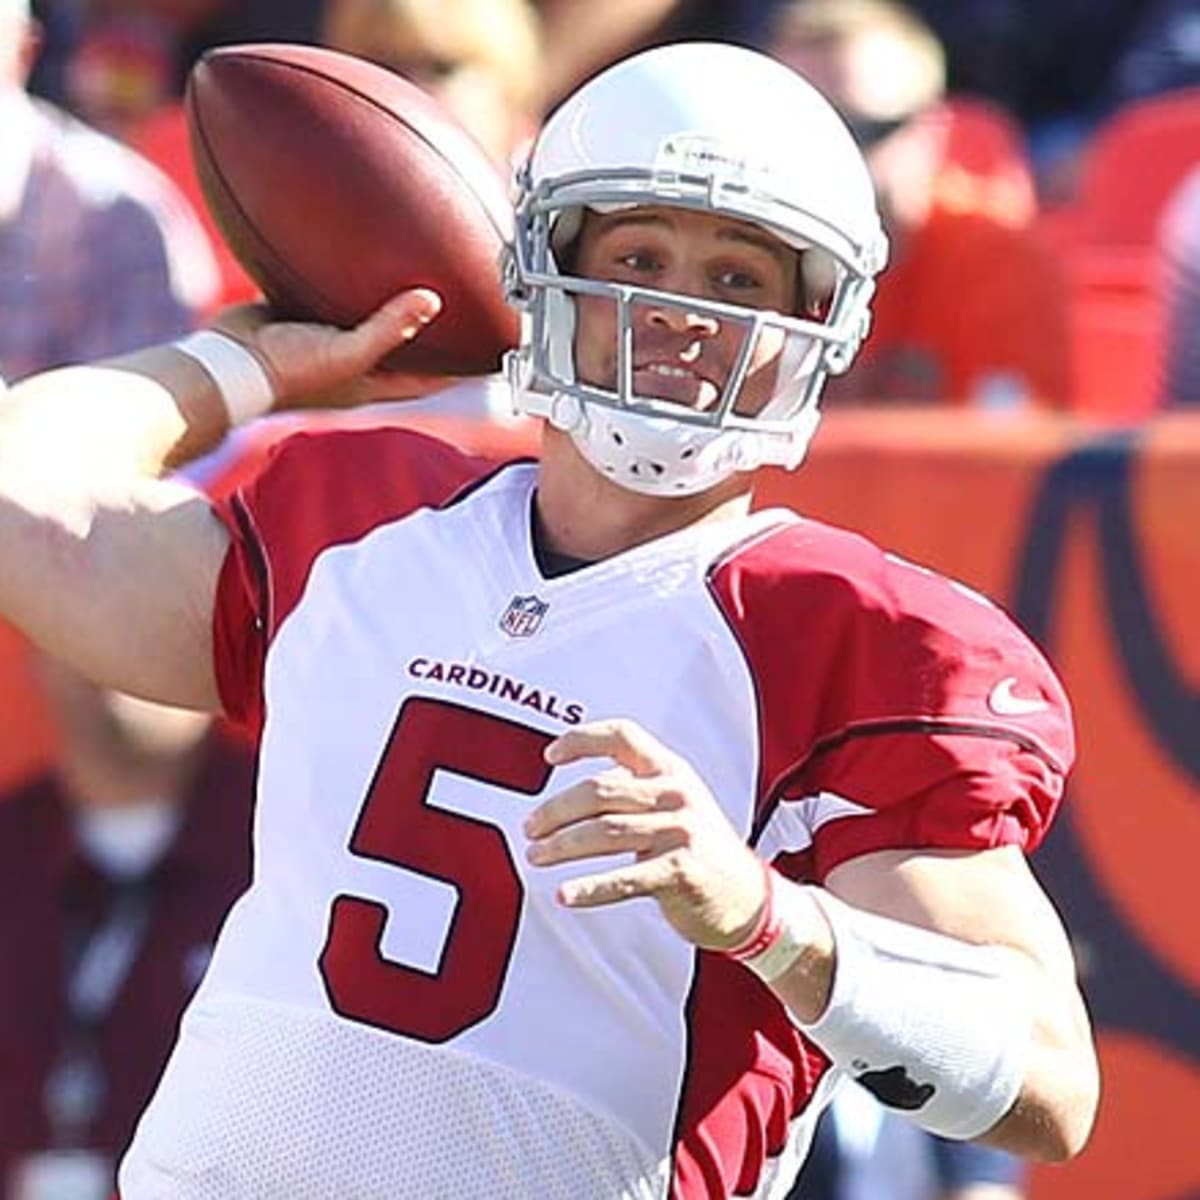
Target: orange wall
1092	539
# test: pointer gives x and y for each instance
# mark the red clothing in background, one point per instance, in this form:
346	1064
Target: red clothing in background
970	299
48	890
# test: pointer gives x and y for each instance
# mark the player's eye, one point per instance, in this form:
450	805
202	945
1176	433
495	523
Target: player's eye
737	280
751	283
639	261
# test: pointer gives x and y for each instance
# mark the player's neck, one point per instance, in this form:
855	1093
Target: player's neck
582	515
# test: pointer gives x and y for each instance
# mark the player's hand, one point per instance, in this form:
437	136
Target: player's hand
651	804
320	366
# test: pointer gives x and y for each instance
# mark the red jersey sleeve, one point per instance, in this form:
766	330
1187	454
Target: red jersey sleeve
316	490
909	711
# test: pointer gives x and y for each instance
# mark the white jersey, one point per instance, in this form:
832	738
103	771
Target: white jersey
397	1006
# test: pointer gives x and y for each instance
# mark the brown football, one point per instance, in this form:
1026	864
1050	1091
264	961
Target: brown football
338	183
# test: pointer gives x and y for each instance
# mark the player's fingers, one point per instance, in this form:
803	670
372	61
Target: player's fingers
419	304
622	740
613	791
644	834
646	878
396	322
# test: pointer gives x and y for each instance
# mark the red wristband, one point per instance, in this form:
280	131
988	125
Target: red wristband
766	929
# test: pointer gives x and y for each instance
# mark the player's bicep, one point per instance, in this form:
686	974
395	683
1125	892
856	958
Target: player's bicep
124	591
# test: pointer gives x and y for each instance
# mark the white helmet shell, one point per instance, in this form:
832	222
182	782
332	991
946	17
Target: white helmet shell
721	129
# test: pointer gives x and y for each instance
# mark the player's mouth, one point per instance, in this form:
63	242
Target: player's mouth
676	384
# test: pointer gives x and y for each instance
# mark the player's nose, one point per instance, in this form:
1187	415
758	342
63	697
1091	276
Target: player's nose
680	319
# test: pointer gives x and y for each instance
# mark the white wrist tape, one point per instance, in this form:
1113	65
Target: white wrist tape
936	1028
780	936
242	381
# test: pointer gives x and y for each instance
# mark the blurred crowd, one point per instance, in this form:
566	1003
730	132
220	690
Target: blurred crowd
1033	160
1039	170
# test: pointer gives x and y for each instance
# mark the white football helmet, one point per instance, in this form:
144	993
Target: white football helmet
720	129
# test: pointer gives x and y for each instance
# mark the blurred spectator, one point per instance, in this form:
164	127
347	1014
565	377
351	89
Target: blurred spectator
119	55
99	253
1049	62
863	1152
479	57
972	308
1179	279
581	37
1162	55
116	869
121	69
113	62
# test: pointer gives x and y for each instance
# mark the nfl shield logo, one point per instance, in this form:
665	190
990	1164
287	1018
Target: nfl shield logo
523	616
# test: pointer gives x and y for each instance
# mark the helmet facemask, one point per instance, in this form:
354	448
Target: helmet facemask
649	444
723	131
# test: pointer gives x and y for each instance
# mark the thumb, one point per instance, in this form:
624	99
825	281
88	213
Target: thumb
399	320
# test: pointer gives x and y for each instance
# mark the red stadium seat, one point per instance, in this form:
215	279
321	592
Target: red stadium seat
1133	164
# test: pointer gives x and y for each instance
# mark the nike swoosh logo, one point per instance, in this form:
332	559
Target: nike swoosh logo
1004	701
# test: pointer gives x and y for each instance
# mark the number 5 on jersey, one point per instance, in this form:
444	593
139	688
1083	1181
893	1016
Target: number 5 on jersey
398	825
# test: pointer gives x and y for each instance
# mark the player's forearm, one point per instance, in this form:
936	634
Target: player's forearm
923	1017
136	415
1060	1089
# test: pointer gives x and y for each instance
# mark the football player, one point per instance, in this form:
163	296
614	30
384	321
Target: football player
605	826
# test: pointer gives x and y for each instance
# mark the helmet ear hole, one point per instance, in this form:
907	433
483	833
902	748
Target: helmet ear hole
564	239
818	276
